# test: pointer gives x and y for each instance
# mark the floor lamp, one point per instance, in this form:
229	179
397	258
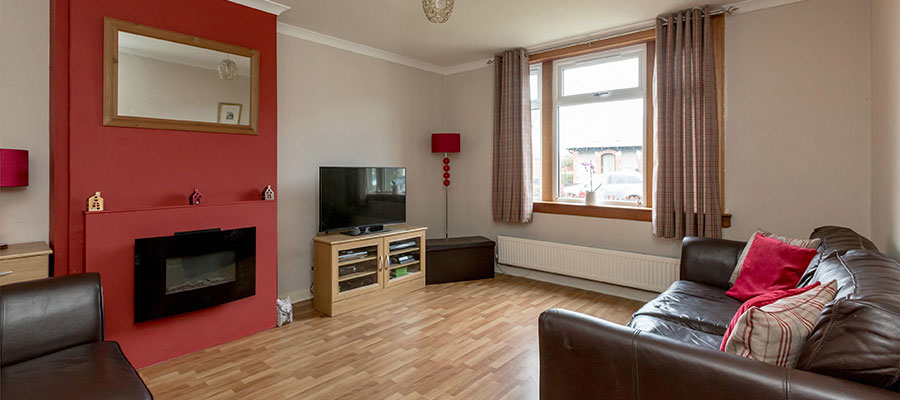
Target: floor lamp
445	143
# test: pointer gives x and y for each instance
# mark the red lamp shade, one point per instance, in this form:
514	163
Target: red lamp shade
445	143
13	167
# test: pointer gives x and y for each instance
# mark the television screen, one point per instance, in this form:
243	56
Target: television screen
351	197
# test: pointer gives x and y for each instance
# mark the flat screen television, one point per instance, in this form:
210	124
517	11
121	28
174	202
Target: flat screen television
360	197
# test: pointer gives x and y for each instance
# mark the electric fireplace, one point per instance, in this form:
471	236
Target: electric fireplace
189	271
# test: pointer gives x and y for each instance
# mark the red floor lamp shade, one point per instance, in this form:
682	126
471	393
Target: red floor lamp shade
13	167
445	143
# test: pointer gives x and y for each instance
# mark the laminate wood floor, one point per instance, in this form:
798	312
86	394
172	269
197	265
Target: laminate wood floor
467	340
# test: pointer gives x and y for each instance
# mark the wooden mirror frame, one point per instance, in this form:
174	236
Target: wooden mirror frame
111	117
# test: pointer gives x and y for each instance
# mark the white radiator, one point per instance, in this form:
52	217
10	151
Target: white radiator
635	270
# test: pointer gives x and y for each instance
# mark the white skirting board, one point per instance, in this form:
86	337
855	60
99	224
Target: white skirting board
633	270
297	295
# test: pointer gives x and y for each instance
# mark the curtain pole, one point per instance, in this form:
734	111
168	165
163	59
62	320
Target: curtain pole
648	25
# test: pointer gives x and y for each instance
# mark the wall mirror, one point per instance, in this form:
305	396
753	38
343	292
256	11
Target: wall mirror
159	79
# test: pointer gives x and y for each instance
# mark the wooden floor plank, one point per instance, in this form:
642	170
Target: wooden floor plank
466	340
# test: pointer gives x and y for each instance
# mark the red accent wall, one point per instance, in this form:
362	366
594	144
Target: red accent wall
110	251
143	168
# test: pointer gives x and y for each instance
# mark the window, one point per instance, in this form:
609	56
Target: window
536	150
598	97
597	111
600	125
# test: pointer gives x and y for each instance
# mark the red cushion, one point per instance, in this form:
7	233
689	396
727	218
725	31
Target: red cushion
759	301
770	265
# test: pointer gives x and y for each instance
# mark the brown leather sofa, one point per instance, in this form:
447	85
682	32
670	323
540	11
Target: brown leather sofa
52	343
669	350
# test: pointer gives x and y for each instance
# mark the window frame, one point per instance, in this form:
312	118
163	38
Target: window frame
648	38
599	58
641	52
536	69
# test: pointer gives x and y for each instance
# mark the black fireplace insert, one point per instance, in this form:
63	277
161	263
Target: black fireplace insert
194	270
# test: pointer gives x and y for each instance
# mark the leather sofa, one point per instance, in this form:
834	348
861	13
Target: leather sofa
670	349
52	343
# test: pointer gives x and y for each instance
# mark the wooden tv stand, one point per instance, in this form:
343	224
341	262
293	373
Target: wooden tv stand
352	272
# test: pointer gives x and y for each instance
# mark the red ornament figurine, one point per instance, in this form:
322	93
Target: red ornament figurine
196	198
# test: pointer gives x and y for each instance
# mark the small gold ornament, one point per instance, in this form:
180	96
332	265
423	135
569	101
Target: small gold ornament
95	202
268	193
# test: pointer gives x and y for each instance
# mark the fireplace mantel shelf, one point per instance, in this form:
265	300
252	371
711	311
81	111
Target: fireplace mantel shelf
128	210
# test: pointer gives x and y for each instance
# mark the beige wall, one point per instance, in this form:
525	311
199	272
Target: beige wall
886	125
337	108
24	115
161	89
797	118
797	134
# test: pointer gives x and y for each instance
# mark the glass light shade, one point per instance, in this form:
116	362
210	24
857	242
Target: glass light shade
437	11
228	70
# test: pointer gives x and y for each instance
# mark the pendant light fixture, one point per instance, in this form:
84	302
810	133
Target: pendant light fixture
437	11
228	69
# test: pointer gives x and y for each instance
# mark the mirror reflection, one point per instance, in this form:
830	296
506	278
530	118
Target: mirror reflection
162	79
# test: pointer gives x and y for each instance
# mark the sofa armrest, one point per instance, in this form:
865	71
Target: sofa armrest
583	357
44	316
709	261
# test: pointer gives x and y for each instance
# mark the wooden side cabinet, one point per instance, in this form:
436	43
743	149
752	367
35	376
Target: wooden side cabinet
352	272
24	262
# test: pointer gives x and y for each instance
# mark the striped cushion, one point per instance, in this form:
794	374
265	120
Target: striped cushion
775	333
805	243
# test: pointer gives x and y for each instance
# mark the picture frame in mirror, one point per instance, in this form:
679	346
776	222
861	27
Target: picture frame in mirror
230	113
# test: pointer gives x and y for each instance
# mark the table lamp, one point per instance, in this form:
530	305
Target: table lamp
445	143
13	168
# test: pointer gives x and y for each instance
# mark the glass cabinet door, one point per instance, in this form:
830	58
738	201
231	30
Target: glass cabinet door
405	258
358	268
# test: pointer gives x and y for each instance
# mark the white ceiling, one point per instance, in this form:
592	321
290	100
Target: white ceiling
477	29
165	50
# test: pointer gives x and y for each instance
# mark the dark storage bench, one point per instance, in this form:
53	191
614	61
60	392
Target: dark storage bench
459	259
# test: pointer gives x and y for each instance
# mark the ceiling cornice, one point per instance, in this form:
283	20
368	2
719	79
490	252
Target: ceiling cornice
321	38
746	6
455	69
732	9
741	7
268	6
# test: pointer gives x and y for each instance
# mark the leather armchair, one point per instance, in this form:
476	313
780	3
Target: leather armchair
52	343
